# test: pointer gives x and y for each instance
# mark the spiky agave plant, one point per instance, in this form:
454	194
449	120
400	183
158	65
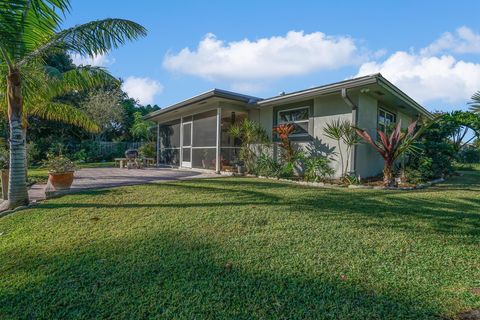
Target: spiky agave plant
392	147
29	31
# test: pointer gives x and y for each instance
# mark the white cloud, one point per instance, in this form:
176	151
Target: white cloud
100	60
143	90
434	73
427	78
296	53
463	41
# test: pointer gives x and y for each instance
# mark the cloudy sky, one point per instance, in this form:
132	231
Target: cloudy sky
430	49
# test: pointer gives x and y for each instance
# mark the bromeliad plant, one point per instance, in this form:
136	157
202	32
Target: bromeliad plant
284	131
393	146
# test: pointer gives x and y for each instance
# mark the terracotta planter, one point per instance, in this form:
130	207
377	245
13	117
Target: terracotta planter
5	184
61	181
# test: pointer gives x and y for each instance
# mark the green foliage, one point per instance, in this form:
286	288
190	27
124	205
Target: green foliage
58	164
475	103
267	166
342	131
4	157
141	129
317	168
469	154
251	134
148	150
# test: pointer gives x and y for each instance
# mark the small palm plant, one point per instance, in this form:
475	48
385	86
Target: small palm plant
250	133
342	131
392	147
29	32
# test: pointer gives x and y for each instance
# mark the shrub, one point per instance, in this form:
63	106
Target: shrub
317	168
58	164
80	156
148	150
469	154
250	133
267	166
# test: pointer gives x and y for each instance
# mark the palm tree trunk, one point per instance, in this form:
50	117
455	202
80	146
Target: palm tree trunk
388	180
17	189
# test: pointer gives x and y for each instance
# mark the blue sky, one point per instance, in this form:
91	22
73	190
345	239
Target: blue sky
430	49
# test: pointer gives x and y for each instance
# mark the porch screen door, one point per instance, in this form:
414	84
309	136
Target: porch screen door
187	144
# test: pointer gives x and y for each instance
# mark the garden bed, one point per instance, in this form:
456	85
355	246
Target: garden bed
377	185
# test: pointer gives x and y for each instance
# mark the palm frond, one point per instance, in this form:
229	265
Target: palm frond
65	113
475	103
25	24
91	38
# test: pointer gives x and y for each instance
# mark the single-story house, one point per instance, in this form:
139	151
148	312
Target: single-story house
194	133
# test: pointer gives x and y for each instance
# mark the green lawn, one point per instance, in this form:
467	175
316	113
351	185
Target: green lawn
242	248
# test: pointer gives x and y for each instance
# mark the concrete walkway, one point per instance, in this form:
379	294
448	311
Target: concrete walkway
114	177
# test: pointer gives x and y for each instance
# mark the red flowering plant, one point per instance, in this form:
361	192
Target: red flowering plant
284	131
391	147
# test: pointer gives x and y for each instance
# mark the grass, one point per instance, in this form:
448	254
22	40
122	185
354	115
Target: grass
242	248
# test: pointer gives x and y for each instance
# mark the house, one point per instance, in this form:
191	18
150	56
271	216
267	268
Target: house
194	133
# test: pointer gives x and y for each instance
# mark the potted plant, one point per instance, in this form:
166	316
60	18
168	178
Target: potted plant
4	162
60	171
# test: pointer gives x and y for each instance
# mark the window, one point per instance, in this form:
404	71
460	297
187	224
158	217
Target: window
299	117
385	120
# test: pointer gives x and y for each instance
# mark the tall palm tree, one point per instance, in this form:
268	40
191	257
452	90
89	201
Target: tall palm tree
475	103
29	31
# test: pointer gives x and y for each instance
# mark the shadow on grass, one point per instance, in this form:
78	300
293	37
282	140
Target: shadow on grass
418	211
176	276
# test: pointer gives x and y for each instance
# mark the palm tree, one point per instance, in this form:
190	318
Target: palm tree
475	103
29	31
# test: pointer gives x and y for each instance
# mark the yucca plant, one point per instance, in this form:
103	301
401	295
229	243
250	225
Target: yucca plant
392	147
30	31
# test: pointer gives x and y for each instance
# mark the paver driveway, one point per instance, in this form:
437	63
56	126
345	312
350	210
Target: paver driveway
112	177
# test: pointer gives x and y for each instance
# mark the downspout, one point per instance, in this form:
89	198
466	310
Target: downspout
351	104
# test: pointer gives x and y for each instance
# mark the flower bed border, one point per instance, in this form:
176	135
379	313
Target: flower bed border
354	186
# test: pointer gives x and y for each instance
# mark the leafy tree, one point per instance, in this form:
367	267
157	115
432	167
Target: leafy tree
105	108
29	31
141	129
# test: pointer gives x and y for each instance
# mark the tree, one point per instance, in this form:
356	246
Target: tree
392	147
29	31
141	129
105	108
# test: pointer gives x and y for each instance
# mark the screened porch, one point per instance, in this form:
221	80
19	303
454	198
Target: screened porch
200	141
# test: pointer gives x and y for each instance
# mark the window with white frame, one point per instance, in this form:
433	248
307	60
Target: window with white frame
299	117
385	120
